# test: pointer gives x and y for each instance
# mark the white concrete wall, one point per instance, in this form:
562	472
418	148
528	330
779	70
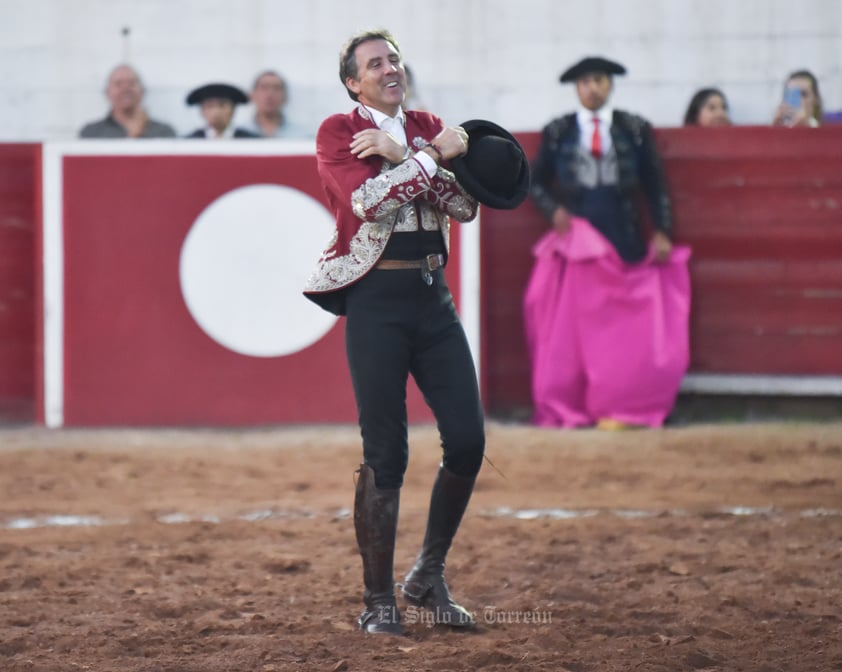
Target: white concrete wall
497	59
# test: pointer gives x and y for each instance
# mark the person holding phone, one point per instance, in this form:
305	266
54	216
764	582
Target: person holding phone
801	104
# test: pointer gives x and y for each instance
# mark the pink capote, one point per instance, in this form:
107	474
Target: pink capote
607	339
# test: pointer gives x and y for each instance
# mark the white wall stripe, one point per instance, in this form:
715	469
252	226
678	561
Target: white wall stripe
807	386
53	282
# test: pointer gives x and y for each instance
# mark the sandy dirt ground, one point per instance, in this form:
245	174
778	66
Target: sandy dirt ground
704	547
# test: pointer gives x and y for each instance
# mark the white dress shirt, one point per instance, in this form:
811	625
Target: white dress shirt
396	127
584	117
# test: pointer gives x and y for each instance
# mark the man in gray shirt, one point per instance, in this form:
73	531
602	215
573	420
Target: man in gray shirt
269	95
127	118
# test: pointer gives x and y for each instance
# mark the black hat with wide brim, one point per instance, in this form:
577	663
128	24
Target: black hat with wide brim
217	90
494	170
590	65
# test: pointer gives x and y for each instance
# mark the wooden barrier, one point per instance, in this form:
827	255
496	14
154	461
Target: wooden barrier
761	208
19	173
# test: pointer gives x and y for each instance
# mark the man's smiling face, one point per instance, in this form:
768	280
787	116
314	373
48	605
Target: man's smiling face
381	78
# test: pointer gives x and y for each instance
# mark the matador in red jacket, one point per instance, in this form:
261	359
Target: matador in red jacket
385	173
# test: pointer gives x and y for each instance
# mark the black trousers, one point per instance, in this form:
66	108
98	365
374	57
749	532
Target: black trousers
397	325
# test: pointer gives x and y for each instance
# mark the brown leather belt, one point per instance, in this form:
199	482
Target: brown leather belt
429	263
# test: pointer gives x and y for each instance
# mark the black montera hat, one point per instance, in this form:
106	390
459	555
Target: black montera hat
589	65
216	90
495	170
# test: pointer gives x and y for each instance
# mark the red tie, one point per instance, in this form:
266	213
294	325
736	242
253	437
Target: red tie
596	140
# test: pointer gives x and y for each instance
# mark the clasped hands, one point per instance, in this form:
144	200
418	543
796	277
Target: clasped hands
451	142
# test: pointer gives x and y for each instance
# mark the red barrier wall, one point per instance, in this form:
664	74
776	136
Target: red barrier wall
761	208
128	348
19	170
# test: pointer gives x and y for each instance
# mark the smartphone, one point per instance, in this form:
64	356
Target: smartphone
792	97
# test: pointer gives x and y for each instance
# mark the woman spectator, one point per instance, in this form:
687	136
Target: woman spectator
708	107
802	102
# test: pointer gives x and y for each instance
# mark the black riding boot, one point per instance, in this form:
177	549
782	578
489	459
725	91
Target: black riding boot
376	523
425	586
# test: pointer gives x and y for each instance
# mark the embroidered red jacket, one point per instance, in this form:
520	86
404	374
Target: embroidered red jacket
370	198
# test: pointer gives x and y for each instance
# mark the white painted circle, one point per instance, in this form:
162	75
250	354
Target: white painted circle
243	266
